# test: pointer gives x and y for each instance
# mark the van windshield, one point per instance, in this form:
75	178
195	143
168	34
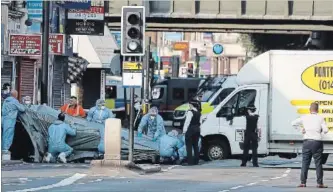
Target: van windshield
208	89
207	94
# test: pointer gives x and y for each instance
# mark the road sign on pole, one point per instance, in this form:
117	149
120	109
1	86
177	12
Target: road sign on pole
132	74
218	49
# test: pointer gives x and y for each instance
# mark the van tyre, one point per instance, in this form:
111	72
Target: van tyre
217	150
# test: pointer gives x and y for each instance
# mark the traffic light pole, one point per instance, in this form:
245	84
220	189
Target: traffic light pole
45	55
147	70
131	126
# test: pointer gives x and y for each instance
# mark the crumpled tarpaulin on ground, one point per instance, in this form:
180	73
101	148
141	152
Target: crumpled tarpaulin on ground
37	119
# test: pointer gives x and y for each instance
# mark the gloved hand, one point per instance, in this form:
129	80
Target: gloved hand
139	134
154	139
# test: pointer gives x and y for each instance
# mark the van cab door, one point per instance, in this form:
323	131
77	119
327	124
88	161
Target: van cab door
232	119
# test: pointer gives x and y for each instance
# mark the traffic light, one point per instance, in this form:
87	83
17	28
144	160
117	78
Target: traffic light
133	30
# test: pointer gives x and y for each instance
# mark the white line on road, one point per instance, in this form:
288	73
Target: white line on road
65	182
250	184
264	180
288	170
274	178
237	187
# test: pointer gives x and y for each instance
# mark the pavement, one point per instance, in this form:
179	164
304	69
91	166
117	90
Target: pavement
273	175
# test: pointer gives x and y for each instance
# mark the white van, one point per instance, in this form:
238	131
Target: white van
281	84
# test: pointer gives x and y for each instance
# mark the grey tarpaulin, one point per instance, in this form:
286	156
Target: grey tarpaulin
38	118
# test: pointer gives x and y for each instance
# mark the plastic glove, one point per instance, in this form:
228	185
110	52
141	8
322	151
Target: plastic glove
139	134
154	139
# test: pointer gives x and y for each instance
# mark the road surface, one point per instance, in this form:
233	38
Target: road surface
274	175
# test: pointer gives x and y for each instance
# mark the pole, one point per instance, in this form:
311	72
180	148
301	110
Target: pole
45	55
131	130
147	69
158	55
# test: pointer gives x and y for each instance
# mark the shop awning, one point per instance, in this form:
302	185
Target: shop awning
97	50
76	66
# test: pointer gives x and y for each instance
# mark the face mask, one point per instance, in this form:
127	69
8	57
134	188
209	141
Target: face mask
152	117
250	112
102	107
28	102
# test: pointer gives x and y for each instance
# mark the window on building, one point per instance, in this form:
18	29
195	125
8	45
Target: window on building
159	6
178	94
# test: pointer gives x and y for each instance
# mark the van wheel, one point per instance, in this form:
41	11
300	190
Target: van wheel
216	151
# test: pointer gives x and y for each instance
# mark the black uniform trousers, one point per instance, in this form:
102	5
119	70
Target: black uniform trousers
250	141
192	137
312	148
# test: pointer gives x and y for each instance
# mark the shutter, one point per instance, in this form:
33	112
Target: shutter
26	78
6	72
57	84
61	88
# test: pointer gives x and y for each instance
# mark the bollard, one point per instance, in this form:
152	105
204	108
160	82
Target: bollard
112	142
112	145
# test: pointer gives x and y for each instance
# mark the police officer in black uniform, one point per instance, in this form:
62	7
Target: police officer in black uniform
192	132
251	136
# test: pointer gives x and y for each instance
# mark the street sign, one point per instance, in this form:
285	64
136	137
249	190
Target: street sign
132	65
132	79
218	49
132	74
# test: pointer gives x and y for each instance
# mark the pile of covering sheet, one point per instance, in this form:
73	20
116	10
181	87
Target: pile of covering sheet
38	118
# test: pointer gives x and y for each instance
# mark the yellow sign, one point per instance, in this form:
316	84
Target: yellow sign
308	102
319	77
132	66
329	120
321	111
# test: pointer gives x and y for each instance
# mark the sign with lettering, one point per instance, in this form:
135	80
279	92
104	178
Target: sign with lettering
94	13
35	9
76	4
319	77
31	45
180	46
25	45
80	27
57	44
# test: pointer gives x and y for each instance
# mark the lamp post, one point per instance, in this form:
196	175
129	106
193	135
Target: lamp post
45	51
